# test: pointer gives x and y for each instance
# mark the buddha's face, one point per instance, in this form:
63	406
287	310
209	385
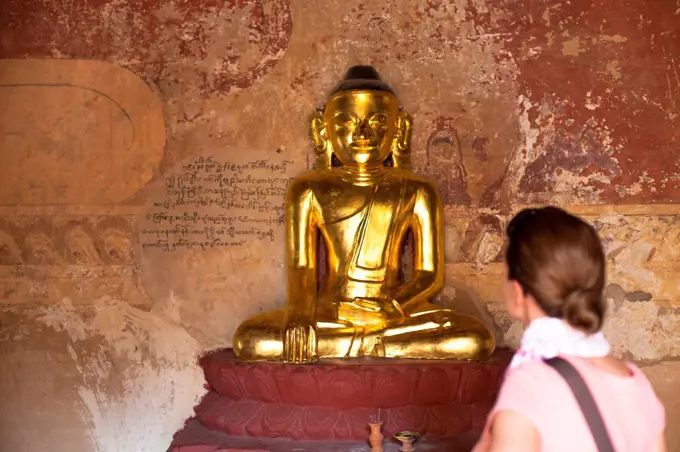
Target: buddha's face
361	126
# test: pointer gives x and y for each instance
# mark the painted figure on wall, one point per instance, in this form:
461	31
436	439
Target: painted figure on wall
445	163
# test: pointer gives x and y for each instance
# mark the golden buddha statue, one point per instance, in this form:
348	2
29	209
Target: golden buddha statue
361	200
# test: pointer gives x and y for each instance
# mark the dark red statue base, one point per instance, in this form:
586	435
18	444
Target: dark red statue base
333	400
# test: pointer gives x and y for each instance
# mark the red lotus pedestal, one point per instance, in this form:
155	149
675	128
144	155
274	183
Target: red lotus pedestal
334	399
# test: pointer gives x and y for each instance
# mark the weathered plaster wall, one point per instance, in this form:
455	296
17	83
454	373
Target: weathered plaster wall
515	102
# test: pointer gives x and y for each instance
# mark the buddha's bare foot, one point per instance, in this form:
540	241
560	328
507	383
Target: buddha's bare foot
439	334
299	340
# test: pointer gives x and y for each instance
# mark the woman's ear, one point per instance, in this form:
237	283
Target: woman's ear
516	299
518	292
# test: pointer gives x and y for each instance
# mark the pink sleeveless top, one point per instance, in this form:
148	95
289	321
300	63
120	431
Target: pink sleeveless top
629	406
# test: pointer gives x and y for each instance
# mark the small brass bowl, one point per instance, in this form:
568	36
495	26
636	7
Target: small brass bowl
407	435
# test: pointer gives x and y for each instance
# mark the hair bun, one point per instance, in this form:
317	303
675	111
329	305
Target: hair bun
584	310
558	260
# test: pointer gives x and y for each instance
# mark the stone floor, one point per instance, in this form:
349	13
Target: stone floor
196	438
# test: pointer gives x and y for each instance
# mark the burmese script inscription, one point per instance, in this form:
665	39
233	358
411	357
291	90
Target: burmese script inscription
211	204
211	237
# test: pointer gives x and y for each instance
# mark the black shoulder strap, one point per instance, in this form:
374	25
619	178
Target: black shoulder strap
585	401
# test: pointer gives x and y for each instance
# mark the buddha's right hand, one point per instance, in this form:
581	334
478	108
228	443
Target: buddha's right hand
299	340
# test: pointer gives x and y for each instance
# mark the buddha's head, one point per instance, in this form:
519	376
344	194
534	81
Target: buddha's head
361	124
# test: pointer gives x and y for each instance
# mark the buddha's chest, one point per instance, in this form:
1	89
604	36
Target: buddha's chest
341	201
368	217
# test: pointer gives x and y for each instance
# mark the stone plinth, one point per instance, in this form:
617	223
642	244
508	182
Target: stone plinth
334	399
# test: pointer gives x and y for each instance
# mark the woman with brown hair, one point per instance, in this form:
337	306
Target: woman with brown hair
563	391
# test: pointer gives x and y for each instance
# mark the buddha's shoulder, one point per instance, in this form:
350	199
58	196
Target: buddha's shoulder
309	181
313	178
415	181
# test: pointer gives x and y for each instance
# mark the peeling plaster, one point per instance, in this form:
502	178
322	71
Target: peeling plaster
558	159
639	331
152	359
572	47
635	330
613	38
614	69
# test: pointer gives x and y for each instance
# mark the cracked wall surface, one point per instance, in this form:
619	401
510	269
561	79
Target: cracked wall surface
123	256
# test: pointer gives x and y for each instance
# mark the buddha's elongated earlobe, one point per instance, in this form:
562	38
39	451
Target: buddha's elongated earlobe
401	147
322	148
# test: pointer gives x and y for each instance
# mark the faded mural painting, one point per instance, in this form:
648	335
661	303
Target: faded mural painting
146	148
